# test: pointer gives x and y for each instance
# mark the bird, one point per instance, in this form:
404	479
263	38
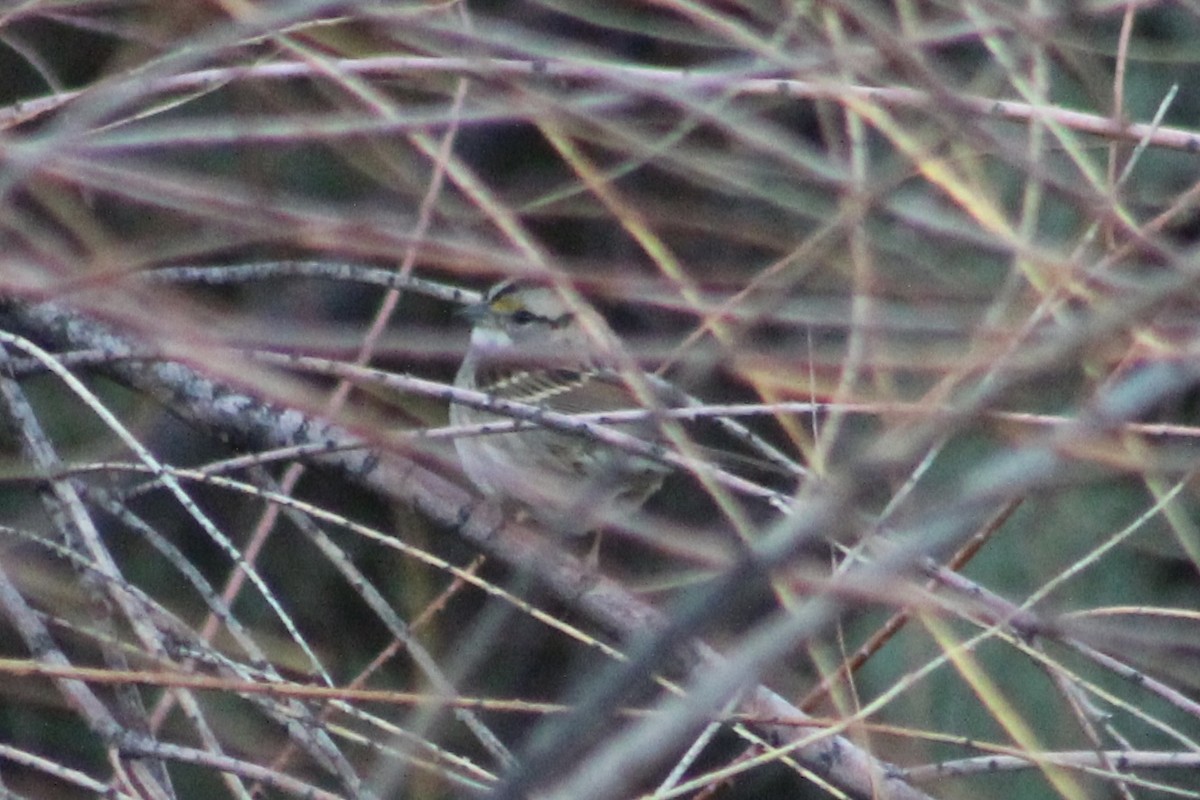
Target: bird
528	346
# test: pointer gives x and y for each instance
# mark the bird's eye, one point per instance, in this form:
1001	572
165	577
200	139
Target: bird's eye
523	316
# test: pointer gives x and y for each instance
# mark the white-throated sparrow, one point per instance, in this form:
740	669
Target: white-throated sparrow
527	346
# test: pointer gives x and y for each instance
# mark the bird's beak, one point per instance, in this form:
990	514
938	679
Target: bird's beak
473	312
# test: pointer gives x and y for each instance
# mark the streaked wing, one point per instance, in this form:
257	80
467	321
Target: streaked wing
563	390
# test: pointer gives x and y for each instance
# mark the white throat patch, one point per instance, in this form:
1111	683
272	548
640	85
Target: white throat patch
490	339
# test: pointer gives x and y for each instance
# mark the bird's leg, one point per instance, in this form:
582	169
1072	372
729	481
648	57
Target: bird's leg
592	561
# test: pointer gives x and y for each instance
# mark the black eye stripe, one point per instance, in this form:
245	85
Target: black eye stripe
524	316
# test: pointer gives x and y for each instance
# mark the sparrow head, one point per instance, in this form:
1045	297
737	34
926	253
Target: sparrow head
516	313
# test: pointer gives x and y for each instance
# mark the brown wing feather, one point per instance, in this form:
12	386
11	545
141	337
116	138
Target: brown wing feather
566	391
